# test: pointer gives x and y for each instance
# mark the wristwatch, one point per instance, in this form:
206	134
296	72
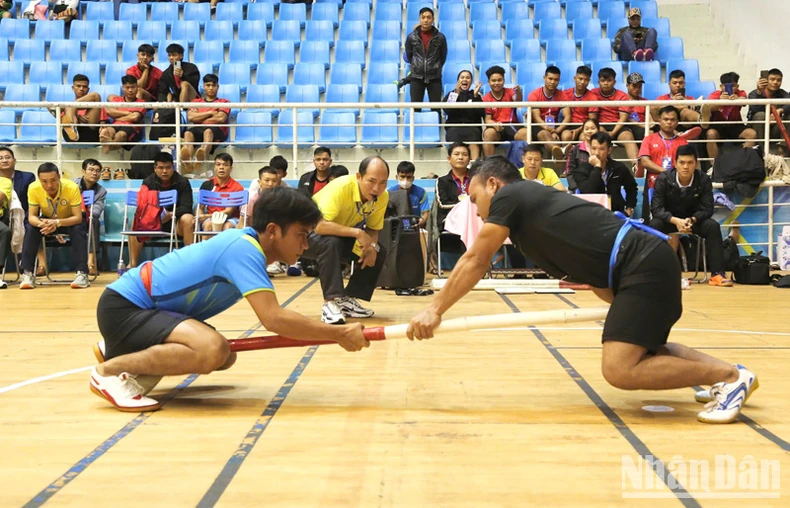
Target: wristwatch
375	246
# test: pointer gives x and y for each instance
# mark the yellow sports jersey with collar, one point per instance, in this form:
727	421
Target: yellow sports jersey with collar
68	196
6	188
546	176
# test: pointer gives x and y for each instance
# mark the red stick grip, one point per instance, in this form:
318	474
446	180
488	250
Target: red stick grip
374	333
278	341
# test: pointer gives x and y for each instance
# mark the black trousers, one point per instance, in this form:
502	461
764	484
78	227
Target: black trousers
708	229
79	245
5	238
331	253
417	89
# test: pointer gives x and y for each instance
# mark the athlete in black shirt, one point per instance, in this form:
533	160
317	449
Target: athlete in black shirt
628	266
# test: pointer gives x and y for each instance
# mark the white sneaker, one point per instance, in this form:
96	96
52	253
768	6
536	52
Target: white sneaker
80	281
331	314
123	392
350	307
704	396
3	284
147	382
28	281
728	399
275	269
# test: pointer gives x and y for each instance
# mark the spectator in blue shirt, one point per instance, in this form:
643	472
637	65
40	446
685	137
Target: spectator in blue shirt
418	198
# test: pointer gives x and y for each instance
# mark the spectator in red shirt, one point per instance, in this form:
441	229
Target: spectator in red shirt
211	128
545	121
501	123
613	119
81	124
122	124
574	117
677	92
636	115
222	182
657	154
146	73
728	90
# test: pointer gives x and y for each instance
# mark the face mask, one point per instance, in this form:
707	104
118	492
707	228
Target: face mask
405	184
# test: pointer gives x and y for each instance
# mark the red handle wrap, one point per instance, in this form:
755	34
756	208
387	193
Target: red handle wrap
374	333
278	341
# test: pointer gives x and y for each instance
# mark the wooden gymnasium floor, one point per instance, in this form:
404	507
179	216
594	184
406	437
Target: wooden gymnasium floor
503	418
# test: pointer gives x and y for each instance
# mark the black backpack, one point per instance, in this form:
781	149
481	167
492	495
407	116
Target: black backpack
753	269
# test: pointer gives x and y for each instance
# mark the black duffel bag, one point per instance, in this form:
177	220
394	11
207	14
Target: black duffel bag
753	269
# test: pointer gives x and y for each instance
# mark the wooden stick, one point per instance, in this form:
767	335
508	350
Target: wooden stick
511	320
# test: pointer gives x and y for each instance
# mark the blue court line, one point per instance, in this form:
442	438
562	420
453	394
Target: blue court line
234	463
637	444
75	470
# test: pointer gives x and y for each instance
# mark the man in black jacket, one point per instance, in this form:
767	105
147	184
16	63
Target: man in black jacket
426	51
682	202
313	181
179	83
604	175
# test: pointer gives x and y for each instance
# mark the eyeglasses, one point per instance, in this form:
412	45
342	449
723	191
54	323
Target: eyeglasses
6	158
92	170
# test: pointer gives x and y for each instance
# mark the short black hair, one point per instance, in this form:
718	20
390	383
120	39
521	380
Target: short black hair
462	71
210	78
775	72
267	169
7	149
426	9
676	74
729	77
284	206
497	166
552	69
165	157
686	150
322	149
80	77
669	109
534	147
406	167
87	162
607	73
128	80
601	138
584	71
339	170
495	69
225	157
48	167
363	166
279	163
458	144
147	49
175	48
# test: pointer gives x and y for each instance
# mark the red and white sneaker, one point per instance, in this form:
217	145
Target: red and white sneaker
147	382
123	392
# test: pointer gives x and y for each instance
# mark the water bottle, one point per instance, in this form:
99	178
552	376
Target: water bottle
121	268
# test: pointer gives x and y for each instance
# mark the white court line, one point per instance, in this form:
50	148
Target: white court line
699	330
43	378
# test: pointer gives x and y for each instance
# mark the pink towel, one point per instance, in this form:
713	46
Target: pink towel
601	199
464	222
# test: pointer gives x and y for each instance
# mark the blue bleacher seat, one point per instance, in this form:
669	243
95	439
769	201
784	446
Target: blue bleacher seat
455	30
483	12
117	30
518	29
90	69
279	52
525	50
152	30
613	24
136	13
4	49
65	50
163	45
379	129
614	65
690	67
413	12
198	12
264	93
253	129
651	91
248	52
528	73
445	2
552	29
103	52
342	93
611	9
189	30
578	10
237	73
83	30
232	92
99	11
13	29
294	12
484	66
319	31
457	51
387	31
384	12
43	73
490	51
486	30
27	50
209	51
233	12
219	31
106	90
560	49
129	50
167	12
698	89
353	31
252	30
338	128
352	52
649	8
515	11
326	12
450	71
273	73
313	52
310	74
287	30
660	24
547	10
19	93
390	52
426	128
382	73
650	71
59	93
37	128
7	126
596	49
115	71
53	30
452	12
305	133
260	12
375	94
669	48
345	74
588	28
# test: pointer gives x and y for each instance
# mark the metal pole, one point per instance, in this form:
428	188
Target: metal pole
294	149
528	124
767	124
178	141
59	141
411	131
771	223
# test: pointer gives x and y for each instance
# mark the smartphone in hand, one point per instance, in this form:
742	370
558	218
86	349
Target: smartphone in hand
682	91
728	88
764	74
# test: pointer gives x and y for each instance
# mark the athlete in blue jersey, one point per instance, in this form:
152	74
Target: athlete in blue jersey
152	319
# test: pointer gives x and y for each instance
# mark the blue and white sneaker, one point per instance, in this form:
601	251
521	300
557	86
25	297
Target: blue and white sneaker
704	396
728	399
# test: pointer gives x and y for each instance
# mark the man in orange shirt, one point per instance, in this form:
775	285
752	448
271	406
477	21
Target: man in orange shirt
613	119
222	182
146	74
81	124
122	124
501	124
211	128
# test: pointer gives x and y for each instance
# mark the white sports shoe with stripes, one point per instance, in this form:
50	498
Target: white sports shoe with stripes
704	396
350	307
123	392
728	399
147	382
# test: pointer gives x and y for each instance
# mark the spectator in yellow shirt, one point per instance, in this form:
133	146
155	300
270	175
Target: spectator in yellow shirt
6	188
533	170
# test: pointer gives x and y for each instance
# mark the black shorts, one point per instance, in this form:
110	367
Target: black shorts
463	134
648	300
198	130
508	132
132	133
729	131
126	328
87	135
